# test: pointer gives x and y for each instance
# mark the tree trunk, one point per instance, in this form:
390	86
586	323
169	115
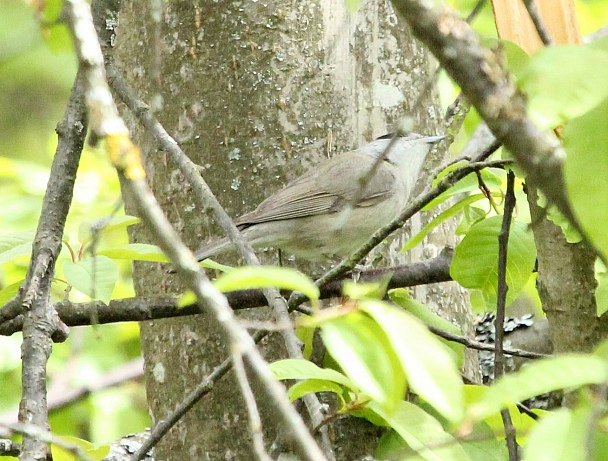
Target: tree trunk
256	92
566	285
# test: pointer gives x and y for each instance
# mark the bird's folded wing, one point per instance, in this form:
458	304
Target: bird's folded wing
310	195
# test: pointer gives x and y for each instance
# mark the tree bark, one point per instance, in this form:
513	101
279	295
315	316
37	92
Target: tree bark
566	285
255	93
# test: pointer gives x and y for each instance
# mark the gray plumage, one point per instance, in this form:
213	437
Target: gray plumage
310	217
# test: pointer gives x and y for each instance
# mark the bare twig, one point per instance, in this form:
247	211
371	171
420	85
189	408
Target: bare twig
414	206
40	321
64	395
476	10
216	304
141	308
255	422
206	199
471	344
493	93
126	158
538	23
499	324
477	345
45	437
163	426
503	240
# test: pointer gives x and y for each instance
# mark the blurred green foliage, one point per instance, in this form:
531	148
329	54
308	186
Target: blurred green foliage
35	81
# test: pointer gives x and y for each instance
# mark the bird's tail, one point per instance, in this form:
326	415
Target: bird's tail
206	251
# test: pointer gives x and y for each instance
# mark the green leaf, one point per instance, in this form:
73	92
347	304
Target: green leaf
540	377
135	252
600	444
522	422
57	37
52	10
560	436
585	170
485	446
583	70
601	292
16	244
375	290
403	298
186	299
517	58
309	386
211	264
467	184
470	215
420	431
392	446
95	277
478	301
306	335
243	278
442	217
54	32
601	350
93	452
475	262
430	369
363	351
8	292
115	223
304	369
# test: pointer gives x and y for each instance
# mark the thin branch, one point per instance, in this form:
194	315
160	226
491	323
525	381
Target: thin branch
494	94
471	344
121	374
455	115
63	395
477	345
255	422
510	435
538	23
206	200
414	206
503	241
499	324
206	386
127	160
476	10
217	306
140	308
104	117
40	321
32	431
12	308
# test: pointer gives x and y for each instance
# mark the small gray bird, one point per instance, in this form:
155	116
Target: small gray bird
313	217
